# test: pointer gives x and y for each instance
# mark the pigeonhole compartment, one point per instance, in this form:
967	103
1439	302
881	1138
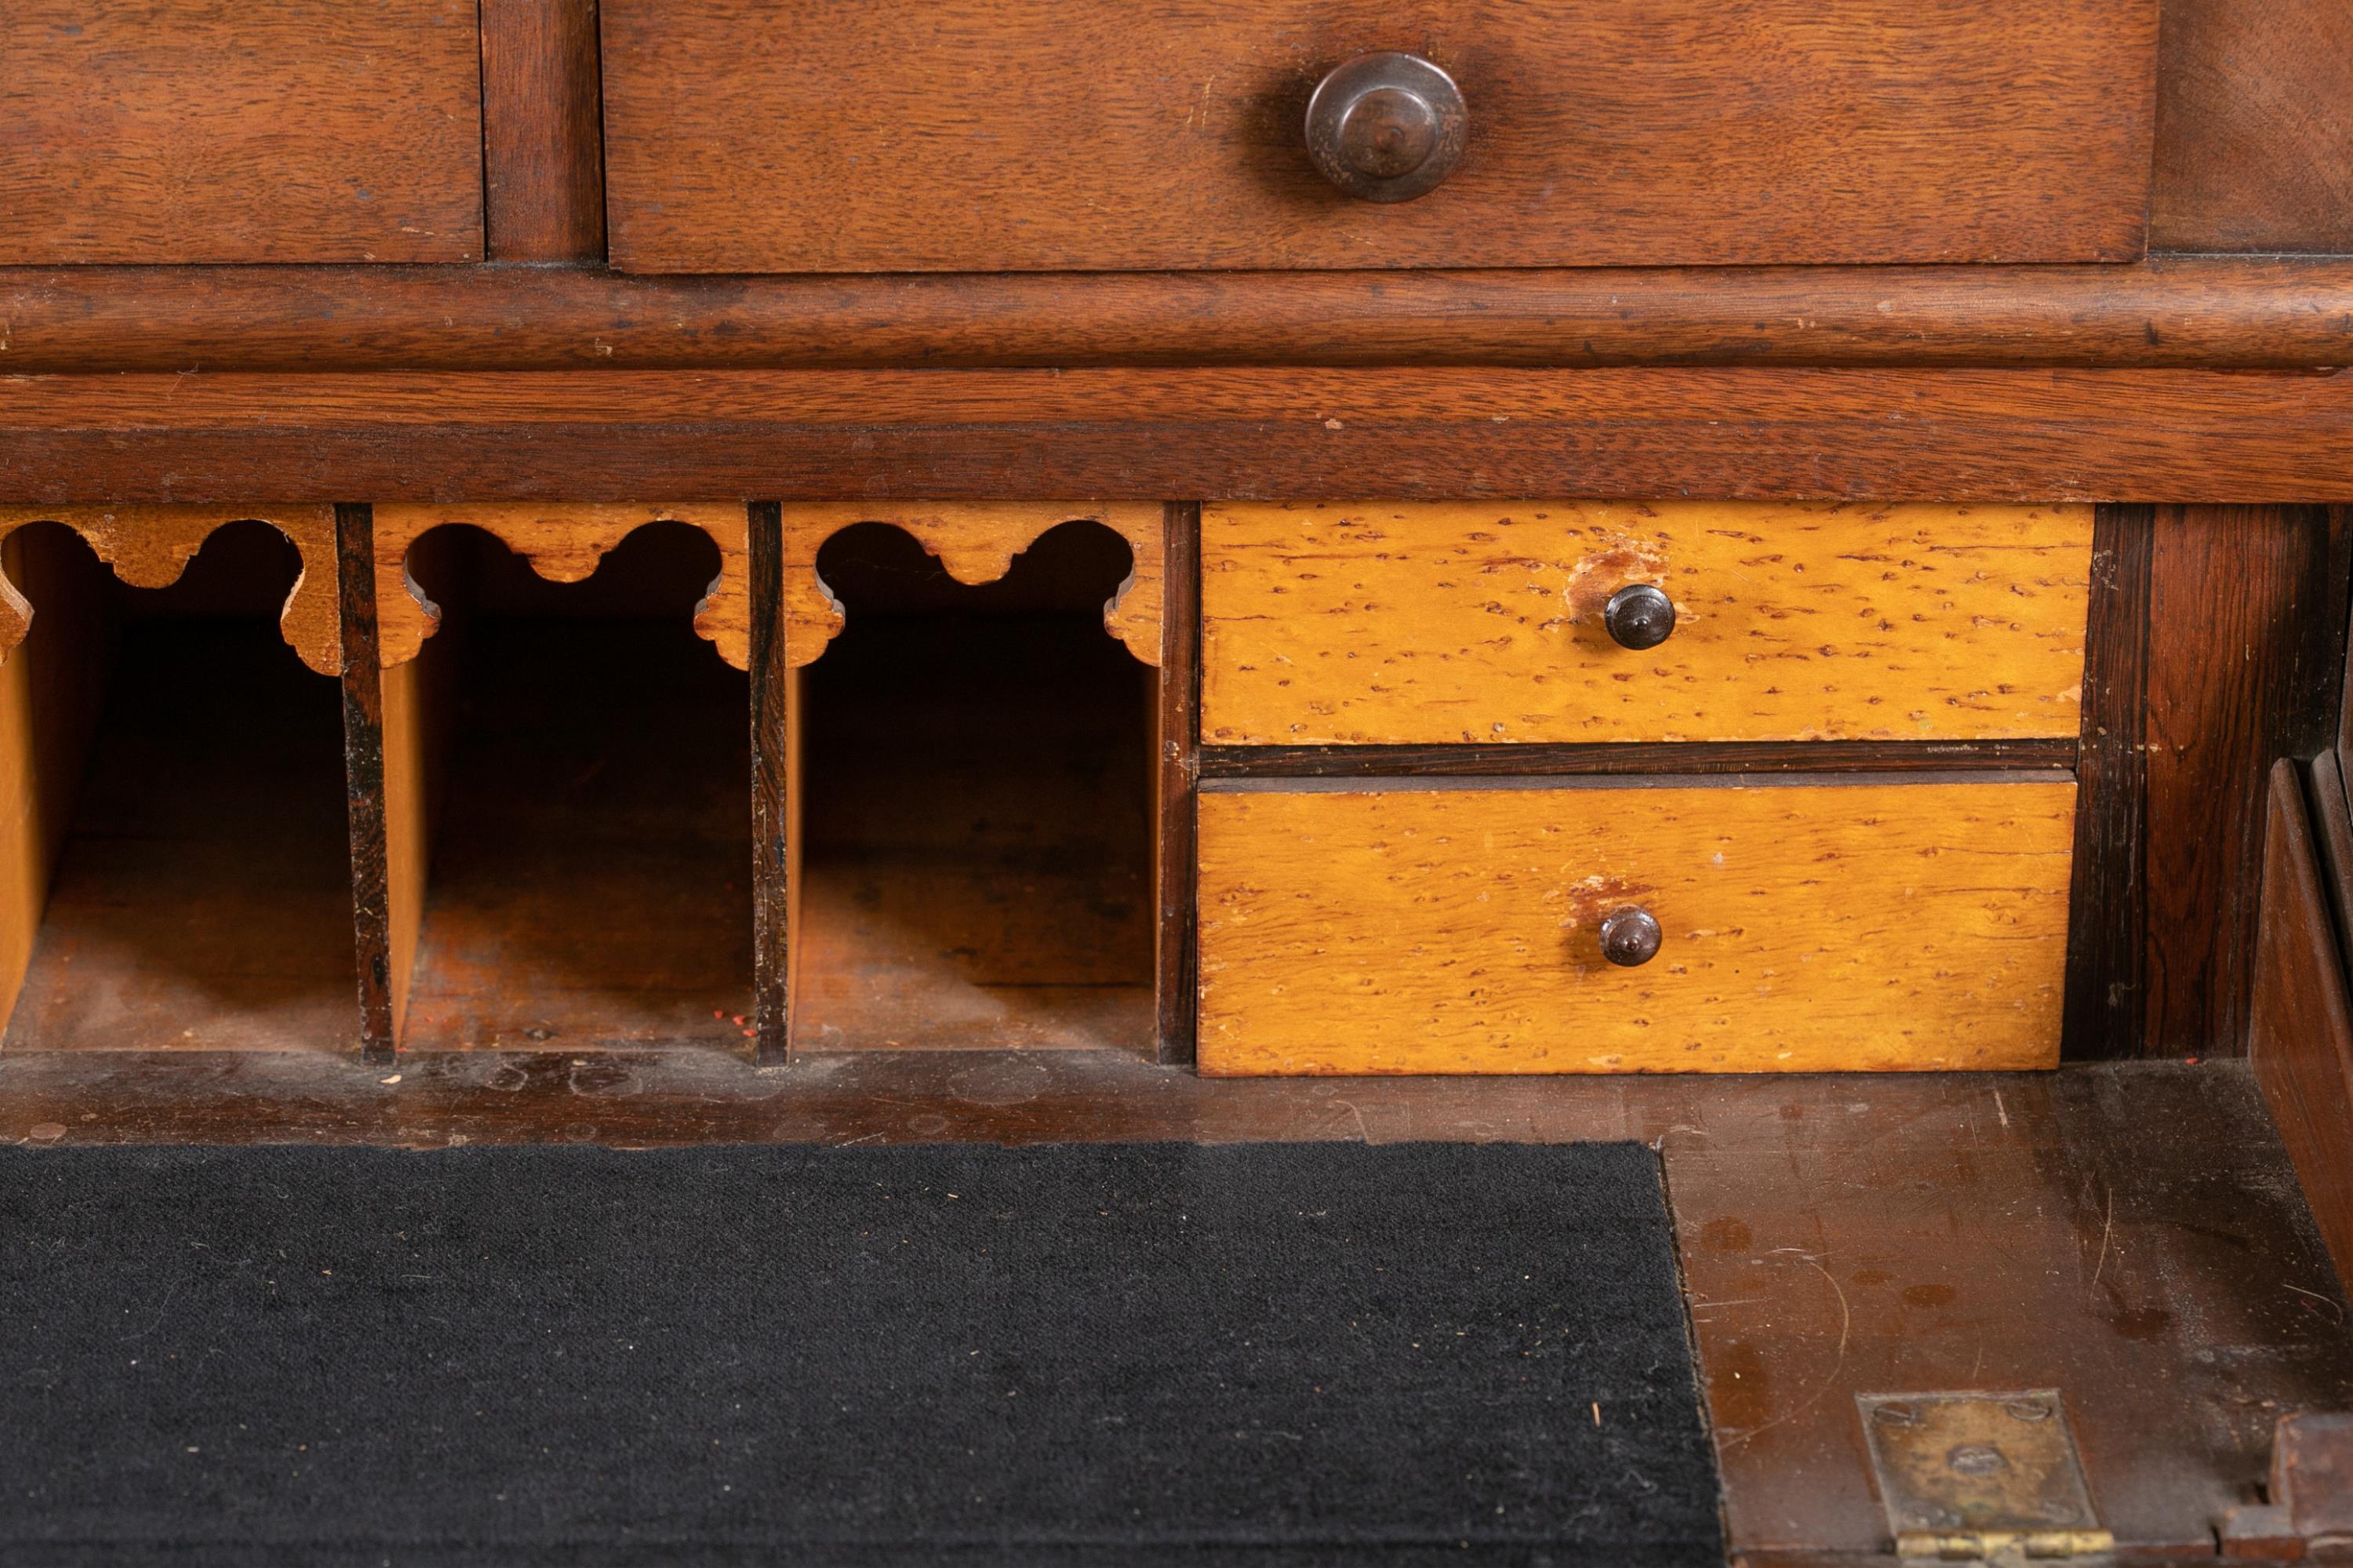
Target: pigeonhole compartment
567	784
976	791
173	829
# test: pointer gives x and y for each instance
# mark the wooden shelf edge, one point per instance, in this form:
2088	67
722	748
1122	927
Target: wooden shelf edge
2200	311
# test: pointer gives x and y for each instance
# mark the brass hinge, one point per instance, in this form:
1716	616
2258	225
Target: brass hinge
1980	1478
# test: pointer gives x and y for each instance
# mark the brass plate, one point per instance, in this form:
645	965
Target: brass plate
1999	1467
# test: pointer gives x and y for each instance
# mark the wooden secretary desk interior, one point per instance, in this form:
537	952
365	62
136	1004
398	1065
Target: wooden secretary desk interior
1091	568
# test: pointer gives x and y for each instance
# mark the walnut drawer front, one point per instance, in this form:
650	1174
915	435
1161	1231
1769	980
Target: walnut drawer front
884	135
234	131
1422	624
1802	927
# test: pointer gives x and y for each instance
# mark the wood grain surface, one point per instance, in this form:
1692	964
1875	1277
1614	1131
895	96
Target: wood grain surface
150	547
1332	623
2300	1040
542	139
2012	436
590	870
912	135
52	688
2247	626
1178	739
2188	312
202	894
976	542
136	131
564	542
1808	927
2254	127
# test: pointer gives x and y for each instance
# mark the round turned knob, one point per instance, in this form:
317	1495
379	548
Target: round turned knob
1387	127
1630	936
1639	615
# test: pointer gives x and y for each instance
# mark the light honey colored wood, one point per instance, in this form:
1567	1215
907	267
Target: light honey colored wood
976	542
1808	927
407	812
1367	623
150	546
562	543
51	692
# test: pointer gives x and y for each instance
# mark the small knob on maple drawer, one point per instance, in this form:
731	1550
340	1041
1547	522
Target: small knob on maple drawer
1387	127
1639	615
1630	936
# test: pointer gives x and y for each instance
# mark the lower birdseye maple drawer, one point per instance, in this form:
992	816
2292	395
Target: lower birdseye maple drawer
1801	927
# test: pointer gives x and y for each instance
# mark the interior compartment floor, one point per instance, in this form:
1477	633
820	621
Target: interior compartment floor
2130	1235
203	897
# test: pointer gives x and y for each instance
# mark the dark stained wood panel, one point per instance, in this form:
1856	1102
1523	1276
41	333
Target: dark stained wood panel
1892	435
2301	1038
2107	916
136	131
2254	127
543	173
914	136
2247	631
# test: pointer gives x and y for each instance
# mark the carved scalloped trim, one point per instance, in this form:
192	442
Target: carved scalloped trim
562	543
976	542
150	546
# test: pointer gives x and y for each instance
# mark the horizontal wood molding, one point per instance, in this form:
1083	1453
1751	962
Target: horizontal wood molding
2191	313
1631	758
1146	435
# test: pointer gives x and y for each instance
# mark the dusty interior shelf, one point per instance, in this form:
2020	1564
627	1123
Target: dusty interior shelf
576	804
977	806
180	871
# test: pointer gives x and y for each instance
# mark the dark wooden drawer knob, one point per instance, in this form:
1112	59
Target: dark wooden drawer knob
1630	936
1387	127
1639	615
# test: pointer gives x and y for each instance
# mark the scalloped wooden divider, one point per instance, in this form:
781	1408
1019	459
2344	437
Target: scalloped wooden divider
564	544
149	546
976	542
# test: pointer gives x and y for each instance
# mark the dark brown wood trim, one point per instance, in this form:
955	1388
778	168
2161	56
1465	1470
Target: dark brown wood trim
363	774
2332	833
541	139
1956	435
2248	618
1675	778
543	132
771	892
2300	1035
2108	916
1180	767
1634	756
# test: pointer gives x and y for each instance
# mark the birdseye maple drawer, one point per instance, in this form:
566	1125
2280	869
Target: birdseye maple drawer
1424	624
890	135
1553	927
